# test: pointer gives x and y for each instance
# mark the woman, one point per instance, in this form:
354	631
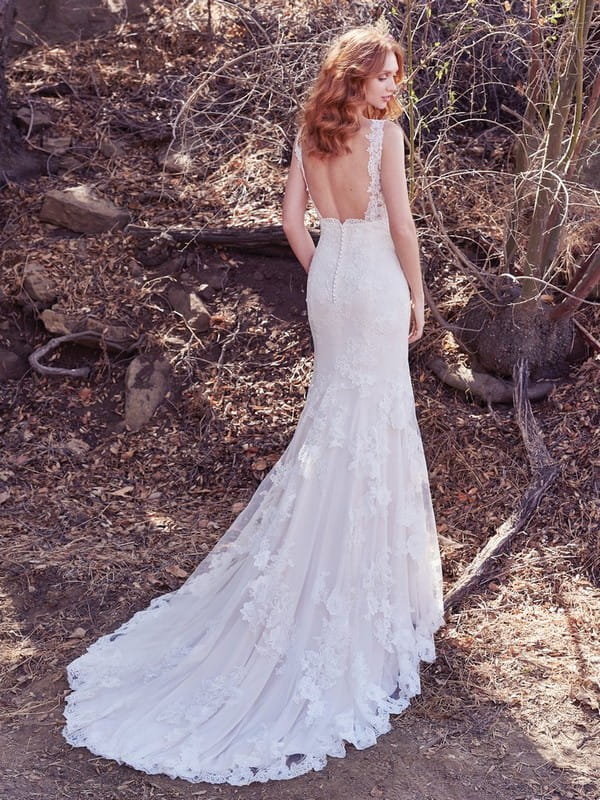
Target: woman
304	628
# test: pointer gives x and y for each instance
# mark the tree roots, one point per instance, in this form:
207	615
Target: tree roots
88	338
484	386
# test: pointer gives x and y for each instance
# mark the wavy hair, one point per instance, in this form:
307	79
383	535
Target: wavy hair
331	113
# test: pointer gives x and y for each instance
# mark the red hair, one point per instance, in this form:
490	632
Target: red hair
331	113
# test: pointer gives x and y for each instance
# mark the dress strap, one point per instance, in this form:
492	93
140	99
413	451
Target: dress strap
375	139
375	147
298	154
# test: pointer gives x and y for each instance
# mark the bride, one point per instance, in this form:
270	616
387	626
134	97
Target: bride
304	628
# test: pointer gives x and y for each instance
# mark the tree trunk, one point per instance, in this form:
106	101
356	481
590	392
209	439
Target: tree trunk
499	335
15	161
8	135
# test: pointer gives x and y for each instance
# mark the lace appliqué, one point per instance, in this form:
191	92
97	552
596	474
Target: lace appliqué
376	208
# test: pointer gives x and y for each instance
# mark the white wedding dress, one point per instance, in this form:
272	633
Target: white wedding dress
304	628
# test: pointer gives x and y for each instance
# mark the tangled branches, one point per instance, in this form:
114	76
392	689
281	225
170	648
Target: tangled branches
478	73
236	124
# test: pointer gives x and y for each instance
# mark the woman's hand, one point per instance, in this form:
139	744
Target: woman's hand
417	321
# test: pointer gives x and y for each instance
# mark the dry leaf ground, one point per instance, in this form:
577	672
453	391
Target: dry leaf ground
91	533
96	521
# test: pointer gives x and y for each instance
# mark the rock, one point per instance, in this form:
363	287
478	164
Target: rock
12	365
135	270
68	163
157	252
77	447
109	148
174	161
57	323
172	265
32	120
56	145
117	337
187	303
19	346
38	284
214	276
146	385
82	211
206	292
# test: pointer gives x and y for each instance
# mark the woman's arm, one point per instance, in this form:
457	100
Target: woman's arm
294	206
402	226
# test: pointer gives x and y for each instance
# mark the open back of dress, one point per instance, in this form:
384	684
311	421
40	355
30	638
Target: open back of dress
362	186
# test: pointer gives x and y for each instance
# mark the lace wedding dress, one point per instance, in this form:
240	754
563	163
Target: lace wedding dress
304	628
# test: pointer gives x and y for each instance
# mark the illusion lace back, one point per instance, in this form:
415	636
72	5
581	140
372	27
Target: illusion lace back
304	628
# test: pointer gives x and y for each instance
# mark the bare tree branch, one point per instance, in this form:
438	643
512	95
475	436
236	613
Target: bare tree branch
544	471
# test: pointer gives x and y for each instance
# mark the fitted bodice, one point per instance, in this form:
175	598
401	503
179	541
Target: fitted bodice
375	210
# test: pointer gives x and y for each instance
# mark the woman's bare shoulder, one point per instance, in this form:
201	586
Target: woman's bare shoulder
393	141
392	131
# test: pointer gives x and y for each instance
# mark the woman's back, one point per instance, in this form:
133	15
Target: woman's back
342	186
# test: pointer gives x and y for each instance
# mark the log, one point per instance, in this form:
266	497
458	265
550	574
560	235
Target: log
544	471
263	239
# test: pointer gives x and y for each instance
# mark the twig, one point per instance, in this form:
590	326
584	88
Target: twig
525	122
588	278
458	253
586	334
436	313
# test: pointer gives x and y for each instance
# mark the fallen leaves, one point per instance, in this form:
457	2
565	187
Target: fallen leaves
124	492
176	571
587	693
77	447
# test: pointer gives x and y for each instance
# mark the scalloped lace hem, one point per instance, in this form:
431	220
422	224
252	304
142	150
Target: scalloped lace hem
282	767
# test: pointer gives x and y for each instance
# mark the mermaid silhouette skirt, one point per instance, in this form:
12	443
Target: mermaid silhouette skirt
303	629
